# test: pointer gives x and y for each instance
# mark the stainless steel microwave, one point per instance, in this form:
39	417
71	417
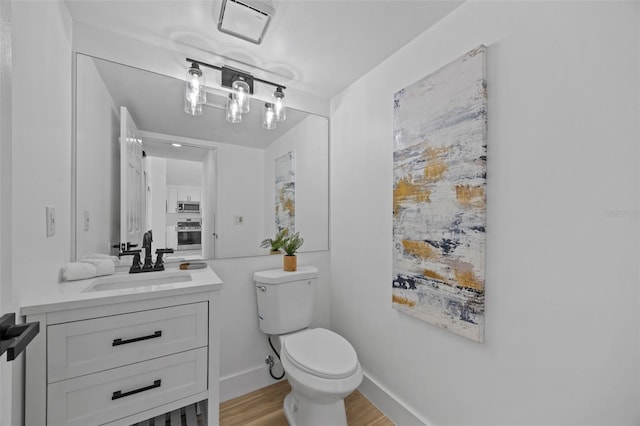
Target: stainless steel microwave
188	207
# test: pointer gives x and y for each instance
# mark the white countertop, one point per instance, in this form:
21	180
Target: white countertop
74	294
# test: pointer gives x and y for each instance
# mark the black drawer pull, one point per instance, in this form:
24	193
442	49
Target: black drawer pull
119	394
117	342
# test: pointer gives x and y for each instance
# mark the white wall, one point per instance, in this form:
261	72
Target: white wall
158	205
562	277
309	141
40	159
98	161
41	141
239	193
6	286
184	173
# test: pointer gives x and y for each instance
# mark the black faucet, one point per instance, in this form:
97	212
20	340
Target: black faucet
135	266
148	266
147	239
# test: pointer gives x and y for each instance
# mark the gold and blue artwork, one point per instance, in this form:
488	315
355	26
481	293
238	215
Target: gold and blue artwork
286	193
439	196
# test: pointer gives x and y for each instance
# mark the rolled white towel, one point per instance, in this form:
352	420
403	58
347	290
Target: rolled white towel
103	266
99	256
78	271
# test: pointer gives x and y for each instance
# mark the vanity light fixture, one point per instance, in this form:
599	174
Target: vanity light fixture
241	85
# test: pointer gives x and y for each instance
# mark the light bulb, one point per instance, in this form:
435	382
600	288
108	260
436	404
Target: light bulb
279	105
269	117
195	90
233	110
191	107
241	90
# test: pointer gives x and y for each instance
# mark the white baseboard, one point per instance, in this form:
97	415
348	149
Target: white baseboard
245	382
390	405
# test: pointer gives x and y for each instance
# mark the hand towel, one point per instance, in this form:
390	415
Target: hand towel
103	266
99	256
78	271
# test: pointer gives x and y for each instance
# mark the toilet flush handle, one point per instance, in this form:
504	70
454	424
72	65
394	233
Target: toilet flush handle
261	288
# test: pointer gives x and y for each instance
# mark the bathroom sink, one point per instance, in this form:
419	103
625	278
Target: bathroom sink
124	281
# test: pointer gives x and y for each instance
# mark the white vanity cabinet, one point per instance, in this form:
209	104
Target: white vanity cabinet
117	361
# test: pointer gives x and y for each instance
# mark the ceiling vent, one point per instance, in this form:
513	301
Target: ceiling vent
246	19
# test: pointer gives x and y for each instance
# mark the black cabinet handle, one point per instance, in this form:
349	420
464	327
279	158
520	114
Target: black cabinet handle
118	342
120	394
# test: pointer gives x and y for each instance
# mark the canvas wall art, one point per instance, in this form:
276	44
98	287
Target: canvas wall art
286	192
439	203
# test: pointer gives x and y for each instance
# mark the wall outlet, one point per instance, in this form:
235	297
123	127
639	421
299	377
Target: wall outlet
51	221
238	220
86	220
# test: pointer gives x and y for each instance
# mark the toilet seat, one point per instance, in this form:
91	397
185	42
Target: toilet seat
321	353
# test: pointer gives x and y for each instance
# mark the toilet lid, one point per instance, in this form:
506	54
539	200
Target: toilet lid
322	353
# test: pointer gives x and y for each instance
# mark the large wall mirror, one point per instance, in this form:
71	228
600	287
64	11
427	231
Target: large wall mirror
205	187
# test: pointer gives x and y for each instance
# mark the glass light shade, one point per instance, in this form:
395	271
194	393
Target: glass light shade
269	117
279	106
195	86
192	108
233	110
241	90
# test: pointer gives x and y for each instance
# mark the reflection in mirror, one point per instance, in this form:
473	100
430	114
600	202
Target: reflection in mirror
217	195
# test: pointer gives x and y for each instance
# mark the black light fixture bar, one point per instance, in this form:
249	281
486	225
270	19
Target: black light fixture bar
229	74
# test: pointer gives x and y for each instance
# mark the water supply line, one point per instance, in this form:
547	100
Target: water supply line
271	363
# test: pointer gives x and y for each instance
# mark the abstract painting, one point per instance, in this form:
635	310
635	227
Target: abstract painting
286	192
439	186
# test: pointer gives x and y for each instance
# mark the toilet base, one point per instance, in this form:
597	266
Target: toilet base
301	411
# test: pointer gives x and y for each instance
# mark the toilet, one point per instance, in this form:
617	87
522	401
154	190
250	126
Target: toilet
321	366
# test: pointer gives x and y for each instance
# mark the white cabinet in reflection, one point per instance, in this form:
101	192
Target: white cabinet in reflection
172	199
189	193
172	237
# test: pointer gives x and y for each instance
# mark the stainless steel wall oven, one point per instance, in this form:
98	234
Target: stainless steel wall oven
189	235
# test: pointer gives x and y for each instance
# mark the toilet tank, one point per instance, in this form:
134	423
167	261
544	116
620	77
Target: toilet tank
285	299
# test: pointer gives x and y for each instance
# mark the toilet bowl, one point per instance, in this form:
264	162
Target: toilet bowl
322	368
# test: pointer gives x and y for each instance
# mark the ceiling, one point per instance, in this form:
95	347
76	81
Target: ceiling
318	47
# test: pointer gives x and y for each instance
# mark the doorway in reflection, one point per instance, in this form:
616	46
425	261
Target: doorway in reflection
179	196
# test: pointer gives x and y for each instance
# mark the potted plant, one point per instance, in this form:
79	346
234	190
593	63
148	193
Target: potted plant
290	246
275	244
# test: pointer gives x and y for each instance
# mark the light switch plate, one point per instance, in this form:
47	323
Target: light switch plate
51	221
238	220
86	220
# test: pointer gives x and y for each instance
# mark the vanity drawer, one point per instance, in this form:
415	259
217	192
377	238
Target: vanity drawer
84	347
114	394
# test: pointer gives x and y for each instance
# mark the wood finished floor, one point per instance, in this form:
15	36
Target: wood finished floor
264	408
